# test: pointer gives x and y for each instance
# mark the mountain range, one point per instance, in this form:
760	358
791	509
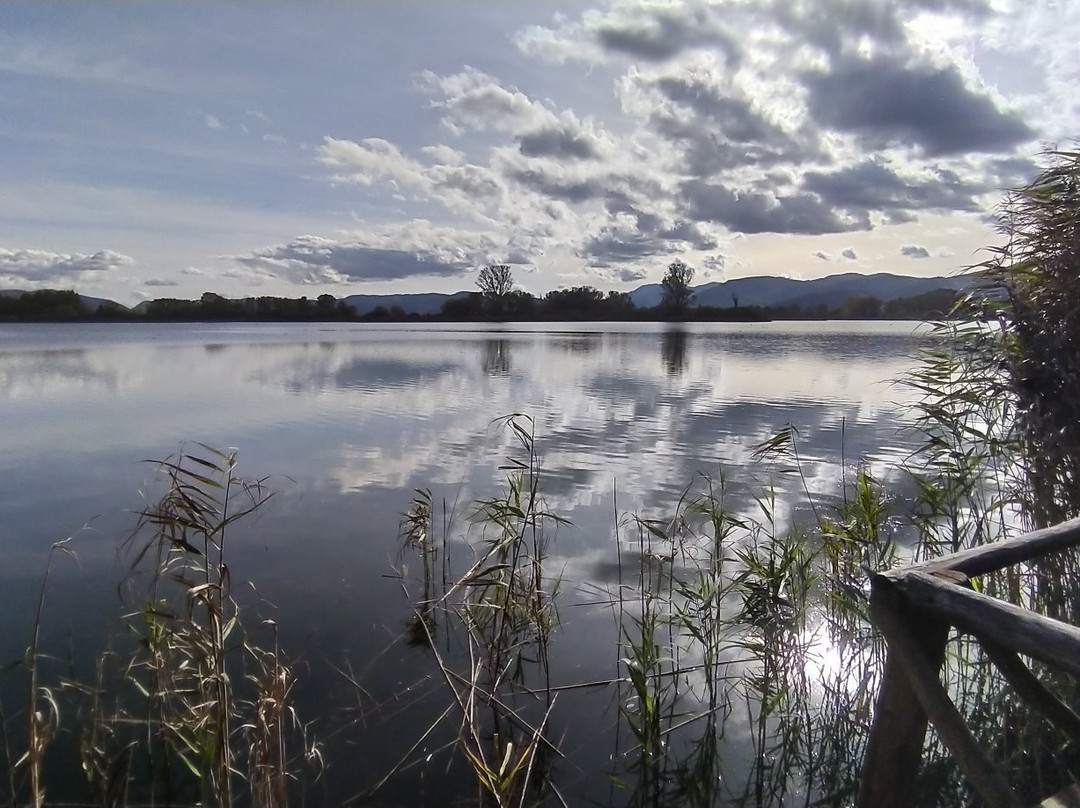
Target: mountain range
763	290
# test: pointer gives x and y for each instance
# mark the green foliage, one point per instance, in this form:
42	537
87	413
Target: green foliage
1031	290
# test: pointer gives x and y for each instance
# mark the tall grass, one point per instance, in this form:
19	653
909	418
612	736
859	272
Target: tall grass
497	616
189	707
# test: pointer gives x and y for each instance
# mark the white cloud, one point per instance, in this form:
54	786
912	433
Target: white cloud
42	267
473	100
368	161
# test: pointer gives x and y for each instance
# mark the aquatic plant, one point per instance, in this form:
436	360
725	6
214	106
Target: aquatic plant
189	706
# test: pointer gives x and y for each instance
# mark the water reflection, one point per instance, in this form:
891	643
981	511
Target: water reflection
673	345
495	357
349	423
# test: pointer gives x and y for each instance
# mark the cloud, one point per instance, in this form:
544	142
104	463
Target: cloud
559	142
821	255
39	266
754	212
629	275
718	122
380	254
159	282
370	160
714	266
662	32
638	32
212	122
801	117
473	100
914	251
887	102
873	186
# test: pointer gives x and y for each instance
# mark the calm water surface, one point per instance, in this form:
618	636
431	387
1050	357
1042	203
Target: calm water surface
347	420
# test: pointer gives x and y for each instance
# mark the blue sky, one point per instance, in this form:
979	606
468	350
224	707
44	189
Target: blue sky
166	149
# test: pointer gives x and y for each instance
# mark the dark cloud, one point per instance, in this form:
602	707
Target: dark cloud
691	233
560	142
1013	172
871	186
568	189
653	225
647	222
836	26
752	212
850	254
308	260
831	30
614	245
899	217
159	282
914	251
732	117
628	275
657	34
822	256
885	102
718	129
41	266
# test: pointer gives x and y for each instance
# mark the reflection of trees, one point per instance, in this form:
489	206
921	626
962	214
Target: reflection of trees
673	351
578	344
495	357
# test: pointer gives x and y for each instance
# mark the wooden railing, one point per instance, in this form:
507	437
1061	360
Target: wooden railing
914	607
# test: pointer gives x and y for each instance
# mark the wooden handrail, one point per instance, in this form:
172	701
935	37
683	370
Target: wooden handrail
914	606
998	555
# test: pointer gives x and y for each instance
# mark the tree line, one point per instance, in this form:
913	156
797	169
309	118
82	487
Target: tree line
496	299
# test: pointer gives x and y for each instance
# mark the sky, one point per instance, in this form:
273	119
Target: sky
168	149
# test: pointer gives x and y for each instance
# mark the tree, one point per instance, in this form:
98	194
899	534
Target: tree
580	301
676	286
495	283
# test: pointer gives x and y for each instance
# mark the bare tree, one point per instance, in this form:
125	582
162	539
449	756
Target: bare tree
676	287
495	282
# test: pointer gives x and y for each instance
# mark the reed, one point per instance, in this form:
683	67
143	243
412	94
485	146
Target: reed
164	715
498	615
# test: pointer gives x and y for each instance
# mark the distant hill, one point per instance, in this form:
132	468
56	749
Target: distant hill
833	290
764	290
424	303
89	303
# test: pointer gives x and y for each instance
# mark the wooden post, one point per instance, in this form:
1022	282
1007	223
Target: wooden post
894	748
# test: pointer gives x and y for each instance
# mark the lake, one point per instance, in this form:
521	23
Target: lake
346	421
